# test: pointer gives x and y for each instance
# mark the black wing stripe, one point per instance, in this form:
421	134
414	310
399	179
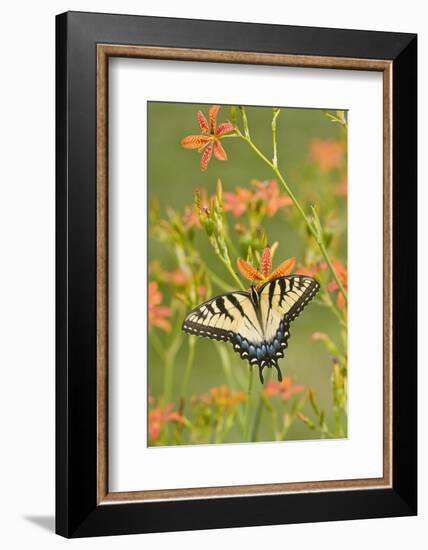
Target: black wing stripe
271	293
210	308
282	288
235	302
222	308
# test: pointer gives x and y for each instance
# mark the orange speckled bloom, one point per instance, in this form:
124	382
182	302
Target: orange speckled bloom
264	275
208	142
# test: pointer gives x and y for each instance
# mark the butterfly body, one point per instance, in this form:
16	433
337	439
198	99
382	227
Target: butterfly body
256	322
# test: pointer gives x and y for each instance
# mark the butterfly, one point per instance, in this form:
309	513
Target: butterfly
257	321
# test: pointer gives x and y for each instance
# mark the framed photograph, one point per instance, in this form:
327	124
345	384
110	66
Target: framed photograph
236	274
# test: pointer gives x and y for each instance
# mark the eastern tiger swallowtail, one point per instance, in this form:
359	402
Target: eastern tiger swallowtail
256	322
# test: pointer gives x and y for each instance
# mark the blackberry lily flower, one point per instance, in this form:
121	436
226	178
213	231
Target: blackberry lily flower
209	141
265	273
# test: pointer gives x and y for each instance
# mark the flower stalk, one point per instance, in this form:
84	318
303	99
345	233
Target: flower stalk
247	424
314	228
189	367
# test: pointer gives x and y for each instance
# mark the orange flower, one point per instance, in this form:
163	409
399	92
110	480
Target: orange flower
177	277
319	337
237	202
272	200
327	153
209	140
310	271
264	275
157	313
342	188
191	218
342	273
285	389
221	397
266	196
159	417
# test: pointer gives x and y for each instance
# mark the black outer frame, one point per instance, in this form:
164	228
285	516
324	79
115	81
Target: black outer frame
77	513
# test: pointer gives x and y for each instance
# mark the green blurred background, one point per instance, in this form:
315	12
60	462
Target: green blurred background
173	175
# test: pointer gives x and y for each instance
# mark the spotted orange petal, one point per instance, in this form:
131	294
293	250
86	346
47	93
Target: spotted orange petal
206	157
219	152
266	262
224	128
248	271
213	117
194	142
283	269
203	123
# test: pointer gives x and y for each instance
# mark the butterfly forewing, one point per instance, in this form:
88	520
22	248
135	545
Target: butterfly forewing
225	317
282	300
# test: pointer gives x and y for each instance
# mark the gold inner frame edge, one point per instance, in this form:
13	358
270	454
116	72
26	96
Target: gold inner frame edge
104	52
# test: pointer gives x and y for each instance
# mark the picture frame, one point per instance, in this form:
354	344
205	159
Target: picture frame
84	44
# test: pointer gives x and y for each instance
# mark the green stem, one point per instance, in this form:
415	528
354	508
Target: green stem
332	270
232	381
218	280
331	307
259	411
334	118
230	244
248	408
296	203
189	366
245	121
273	415
157	344
274	143
169	368
229	267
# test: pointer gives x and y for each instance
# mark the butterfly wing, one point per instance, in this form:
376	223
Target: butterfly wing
281	301
230	317
258	327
